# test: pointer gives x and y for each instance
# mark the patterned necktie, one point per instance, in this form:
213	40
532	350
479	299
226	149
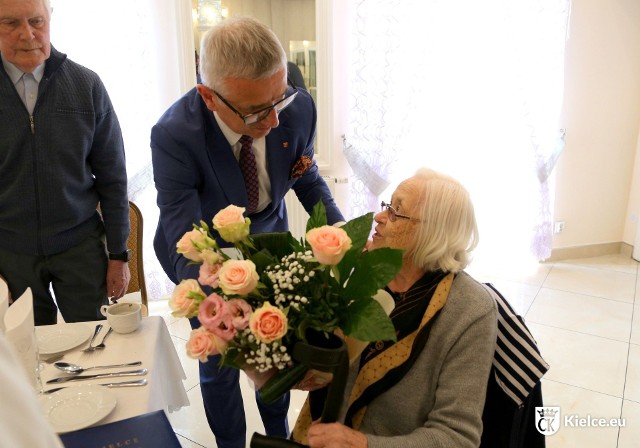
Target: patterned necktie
249	170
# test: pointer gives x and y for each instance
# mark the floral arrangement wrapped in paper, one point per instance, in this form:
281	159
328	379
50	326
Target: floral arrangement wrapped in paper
261	305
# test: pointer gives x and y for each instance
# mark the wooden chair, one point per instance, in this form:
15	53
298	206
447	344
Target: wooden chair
134	242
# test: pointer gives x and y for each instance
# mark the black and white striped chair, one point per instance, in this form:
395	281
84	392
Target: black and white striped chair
514	388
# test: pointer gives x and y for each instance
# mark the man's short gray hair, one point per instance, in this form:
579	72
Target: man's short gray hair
240	48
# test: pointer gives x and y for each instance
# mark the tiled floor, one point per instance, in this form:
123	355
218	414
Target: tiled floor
585	315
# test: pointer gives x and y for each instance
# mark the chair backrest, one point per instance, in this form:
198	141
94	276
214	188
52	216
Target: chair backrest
514	389
134	242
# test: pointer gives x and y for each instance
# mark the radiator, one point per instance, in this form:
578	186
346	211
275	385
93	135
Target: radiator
298	216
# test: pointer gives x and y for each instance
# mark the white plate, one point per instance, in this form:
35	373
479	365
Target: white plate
77	407
59	338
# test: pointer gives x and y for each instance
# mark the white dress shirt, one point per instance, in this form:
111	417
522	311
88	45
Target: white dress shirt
260	151
27	87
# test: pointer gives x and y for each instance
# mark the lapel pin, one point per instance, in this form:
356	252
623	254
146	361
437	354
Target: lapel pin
285	145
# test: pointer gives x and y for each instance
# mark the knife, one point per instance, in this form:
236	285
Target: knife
64	379
122	384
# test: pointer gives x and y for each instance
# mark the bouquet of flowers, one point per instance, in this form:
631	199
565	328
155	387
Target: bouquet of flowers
256	308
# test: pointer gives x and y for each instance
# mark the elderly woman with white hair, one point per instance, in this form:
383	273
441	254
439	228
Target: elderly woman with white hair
428	388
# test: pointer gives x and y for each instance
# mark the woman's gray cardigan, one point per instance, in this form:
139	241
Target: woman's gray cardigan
439	402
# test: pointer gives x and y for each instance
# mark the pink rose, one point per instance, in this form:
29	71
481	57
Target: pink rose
211	311
208	274
202	344
182	302
329	244
268	323
238	277
231	224
240	312
225	329
214	315
187	246
230	215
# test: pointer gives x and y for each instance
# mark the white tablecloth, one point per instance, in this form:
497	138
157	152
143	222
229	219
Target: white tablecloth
151	344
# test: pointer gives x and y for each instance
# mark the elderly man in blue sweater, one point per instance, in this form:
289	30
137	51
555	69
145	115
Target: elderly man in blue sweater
61	154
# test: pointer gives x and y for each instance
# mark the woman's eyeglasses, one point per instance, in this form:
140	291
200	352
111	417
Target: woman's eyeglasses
259	115
393	214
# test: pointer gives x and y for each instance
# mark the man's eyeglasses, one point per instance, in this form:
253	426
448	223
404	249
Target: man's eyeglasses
393	214
259	115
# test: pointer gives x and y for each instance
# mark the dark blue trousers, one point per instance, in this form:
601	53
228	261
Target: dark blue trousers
224	407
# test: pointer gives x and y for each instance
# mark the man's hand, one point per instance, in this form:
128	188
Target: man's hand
118	277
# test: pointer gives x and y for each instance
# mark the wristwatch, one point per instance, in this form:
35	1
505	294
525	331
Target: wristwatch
122	256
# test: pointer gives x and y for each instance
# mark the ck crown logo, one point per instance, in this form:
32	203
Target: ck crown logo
547	419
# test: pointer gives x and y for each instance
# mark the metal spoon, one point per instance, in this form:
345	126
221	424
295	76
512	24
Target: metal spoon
101	345
95	333
73	368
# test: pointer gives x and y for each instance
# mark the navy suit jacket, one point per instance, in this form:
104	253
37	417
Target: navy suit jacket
196	174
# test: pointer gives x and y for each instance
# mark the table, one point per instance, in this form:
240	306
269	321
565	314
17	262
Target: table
151	344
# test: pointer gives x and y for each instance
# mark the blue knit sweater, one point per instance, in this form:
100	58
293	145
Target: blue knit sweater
59	163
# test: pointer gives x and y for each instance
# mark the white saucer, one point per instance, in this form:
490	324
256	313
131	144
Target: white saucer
54	339
77	407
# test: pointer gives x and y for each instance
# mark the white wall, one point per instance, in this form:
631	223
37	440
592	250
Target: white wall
601	114
633	210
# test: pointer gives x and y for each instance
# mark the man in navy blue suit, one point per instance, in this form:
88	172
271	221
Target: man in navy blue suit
197	152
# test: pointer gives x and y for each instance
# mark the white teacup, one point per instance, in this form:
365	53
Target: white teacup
123	317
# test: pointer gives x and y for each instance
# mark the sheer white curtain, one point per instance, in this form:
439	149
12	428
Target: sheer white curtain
471	88
143	52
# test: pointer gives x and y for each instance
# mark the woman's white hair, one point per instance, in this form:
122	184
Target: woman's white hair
240	48
448	231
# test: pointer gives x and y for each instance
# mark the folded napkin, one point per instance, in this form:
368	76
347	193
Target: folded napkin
20	332
4	302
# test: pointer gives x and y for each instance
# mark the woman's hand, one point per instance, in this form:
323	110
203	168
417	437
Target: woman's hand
314	379
335	435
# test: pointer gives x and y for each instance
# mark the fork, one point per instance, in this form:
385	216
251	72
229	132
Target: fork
95	333
101	344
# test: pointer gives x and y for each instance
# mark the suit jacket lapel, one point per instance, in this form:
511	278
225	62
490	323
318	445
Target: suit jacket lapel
280	153
223	163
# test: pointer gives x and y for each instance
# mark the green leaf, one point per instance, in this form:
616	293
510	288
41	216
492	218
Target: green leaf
262	259
282	382
278	244
232	357
358	230
367	321
318	216
375	269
